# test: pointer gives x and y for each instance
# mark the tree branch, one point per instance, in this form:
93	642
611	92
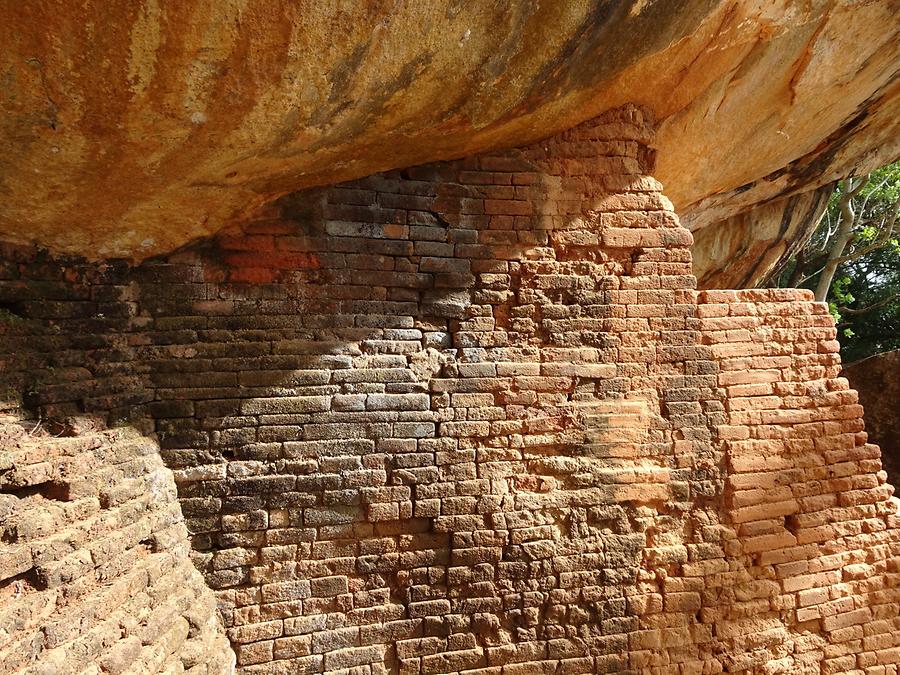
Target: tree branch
841	240
881	303
836	256
887	231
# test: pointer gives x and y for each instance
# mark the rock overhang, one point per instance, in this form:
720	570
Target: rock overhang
130	129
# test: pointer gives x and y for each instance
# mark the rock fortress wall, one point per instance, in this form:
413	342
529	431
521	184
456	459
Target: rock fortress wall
464	417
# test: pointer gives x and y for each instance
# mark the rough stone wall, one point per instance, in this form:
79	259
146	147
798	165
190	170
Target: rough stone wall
474	417
95	573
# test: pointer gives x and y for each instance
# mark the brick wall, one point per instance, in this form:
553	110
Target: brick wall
66	335
812	540
474	417
95	573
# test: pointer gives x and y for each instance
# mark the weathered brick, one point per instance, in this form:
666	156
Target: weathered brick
474	410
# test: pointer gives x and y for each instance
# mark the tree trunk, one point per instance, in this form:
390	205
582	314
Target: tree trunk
843	237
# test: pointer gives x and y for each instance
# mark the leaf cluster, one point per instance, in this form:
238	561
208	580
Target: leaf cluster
864	292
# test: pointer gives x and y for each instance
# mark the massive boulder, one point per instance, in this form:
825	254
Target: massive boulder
130	128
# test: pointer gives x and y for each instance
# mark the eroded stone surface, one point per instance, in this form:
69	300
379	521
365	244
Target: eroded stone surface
741	251
95	573
130	128
474	417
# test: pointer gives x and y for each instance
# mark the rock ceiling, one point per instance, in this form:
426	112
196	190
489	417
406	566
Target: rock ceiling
130	128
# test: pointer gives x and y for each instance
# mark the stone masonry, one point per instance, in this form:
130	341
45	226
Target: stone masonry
474	417
95	573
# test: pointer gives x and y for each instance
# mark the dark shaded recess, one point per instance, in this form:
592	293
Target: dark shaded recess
63	351
877	379
23	583
48	490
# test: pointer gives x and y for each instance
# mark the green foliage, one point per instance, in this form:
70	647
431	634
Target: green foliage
840	296
872	281
864	295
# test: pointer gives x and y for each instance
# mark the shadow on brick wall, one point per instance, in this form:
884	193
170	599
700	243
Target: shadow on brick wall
465	407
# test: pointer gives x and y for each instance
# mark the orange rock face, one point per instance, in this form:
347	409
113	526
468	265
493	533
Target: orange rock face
130	128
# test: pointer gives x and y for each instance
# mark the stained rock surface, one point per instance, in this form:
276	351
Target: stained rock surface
130	128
